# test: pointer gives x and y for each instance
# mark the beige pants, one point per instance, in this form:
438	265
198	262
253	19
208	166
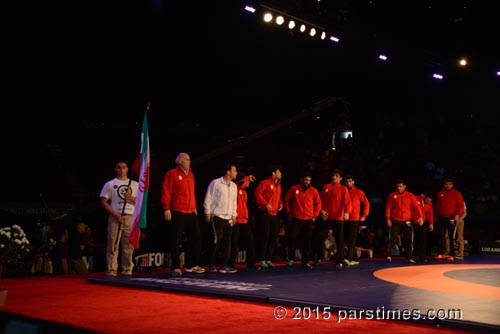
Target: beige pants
459	237
122	234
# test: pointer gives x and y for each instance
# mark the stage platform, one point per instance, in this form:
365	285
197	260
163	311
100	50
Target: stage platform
462	294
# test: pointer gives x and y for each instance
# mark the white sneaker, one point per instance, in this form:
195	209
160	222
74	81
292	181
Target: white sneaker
195	269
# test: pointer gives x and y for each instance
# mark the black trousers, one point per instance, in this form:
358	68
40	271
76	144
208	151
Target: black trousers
185	223
444	224
221	237
420	240
242	238
405	228
267	235
338	233
302	230
351	235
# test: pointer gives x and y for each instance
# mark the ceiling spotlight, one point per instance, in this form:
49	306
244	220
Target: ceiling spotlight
498	73
334	39
312	32
250	9
437	76
291	24
280	20
268	17
382	57
323	35
302	27
462	62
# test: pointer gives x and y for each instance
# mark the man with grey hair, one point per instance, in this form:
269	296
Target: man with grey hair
179	202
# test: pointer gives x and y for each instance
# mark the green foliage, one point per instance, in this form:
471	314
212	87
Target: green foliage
14	246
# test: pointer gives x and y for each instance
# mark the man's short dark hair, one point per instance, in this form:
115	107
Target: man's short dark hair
337	171
398	181
274	168
228	167
306	174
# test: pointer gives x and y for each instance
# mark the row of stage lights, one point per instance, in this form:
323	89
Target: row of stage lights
293	22
279	19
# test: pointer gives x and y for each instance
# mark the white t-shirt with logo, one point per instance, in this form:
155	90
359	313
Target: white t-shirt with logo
115	191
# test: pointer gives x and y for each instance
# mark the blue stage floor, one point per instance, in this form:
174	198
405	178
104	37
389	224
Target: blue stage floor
470	288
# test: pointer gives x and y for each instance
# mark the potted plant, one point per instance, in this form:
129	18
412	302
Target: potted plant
14	246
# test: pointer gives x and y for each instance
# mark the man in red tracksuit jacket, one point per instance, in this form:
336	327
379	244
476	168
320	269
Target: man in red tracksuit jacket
336	205
401	206
302	205
179	202
268	198
242	229
356	216
420	231
449	208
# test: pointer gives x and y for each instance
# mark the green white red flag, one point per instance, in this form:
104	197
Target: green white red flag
141	200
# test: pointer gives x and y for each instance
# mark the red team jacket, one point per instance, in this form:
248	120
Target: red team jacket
336	201
358	198
449	204
428	213
305	205
402	207
242	205
268	192
178	191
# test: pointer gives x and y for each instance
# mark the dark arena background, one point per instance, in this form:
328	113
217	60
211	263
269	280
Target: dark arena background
380	89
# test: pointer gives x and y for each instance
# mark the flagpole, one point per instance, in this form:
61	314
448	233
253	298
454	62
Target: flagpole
117	239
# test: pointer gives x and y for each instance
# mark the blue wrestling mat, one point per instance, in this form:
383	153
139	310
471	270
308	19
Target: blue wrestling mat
460	295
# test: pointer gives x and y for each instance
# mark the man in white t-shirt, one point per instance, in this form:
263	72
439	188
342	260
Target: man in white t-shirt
118	199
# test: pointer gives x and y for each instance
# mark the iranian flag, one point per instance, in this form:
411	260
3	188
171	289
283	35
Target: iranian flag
141	200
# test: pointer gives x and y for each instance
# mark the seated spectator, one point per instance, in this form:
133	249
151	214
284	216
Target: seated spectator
77	264
90	246
366	244
281	251
380	243
329	246
60	253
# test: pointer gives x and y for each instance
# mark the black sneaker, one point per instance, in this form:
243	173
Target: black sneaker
176	273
